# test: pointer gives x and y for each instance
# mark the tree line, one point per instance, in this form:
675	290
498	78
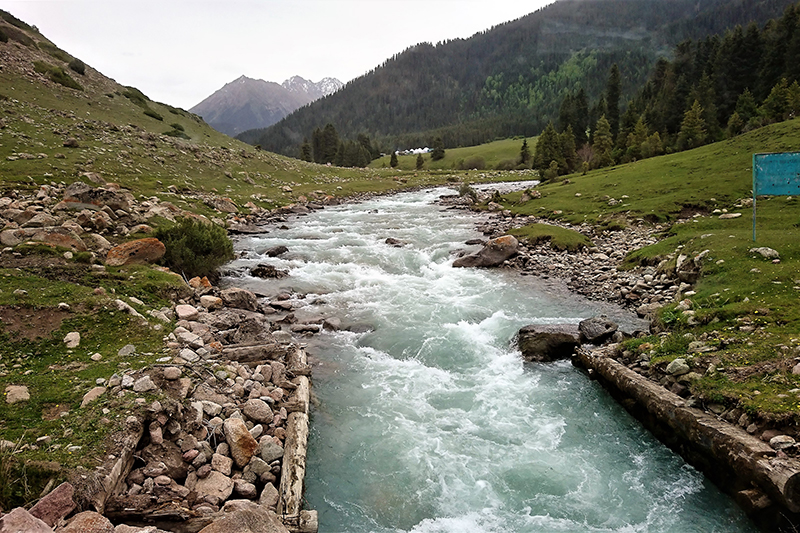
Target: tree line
714	88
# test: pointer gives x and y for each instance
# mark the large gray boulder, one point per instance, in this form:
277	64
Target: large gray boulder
545	343
493	253
245	517
596	330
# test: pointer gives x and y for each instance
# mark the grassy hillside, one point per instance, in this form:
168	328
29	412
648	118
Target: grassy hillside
491	154
744	306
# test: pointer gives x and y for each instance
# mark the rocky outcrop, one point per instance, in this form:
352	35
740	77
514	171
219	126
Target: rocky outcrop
494	253
596	330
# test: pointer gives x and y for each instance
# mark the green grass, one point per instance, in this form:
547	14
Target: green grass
559	238
492	153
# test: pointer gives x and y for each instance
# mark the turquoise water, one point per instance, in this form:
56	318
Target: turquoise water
430	422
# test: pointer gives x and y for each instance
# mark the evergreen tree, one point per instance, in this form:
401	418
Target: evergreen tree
693	128
735	125
613	91
652	147
580	123
329	144
316	145
637	140
569	155
548	149
393	162
704	93
603	144
524	154
339	158
746	106
305	151
438	149
775	106
420	162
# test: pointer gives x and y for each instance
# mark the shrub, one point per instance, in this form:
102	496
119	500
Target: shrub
3	36
195	248
177	133
474	162
176	126
506	164
54	51
78	66
150	113
57	75
136	96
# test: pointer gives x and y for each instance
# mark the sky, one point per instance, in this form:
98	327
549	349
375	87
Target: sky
179	52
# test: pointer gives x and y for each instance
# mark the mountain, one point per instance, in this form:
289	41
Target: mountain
510	80
246	103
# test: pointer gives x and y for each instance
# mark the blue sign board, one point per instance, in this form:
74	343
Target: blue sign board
775	175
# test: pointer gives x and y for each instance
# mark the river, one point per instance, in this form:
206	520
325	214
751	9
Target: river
427	418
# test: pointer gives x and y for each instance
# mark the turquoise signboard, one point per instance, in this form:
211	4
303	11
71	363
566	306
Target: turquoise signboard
775	175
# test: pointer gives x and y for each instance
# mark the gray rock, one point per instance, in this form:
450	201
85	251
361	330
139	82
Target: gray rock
257	411
543	343
216	485
269	496
678	367
494	253
269	451
765	252
72	339
17	393
240	299
781	442
596	330
144	384
245	489
125	351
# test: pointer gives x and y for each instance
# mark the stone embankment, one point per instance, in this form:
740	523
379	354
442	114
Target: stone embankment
219	439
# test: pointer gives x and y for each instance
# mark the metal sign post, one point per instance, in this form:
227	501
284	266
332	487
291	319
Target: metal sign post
775	175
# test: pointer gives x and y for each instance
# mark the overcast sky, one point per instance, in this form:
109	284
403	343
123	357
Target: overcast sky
179	52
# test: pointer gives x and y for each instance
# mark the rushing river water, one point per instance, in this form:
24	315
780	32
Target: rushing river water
429	421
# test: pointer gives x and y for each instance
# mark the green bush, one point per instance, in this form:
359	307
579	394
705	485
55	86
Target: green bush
54	51
195	248
474	162
179	133
153	114
78	66
136	96
177	126
56	74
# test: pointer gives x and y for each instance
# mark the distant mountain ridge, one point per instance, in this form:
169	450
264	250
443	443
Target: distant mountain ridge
511	79
246	103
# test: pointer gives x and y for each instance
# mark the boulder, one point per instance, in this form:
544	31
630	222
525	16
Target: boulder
55	236
186	312
239	299
494	253
678	367
141	251
79	195
92	395
596	330
765	252
19	520
56	505
224	205
242	444
258	411
544	343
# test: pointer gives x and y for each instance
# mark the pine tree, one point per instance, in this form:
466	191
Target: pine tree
524	154
393	162
735	125
613	90
548	149
746	106
329	144
305	151
636	141
420	162
438	149
569	155
693	128
774	107
603	144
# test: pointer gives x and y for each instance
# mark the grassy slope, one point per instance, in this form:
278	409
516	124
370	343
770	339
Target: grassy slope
738	290
492	153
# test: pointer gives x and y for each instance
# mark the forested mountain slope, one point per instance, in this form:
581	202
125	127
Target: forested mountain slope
511	79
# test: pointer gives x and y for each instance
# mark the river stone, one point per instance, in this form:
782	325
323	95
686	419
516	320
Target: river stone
258	411
275	251
239	299
269	451
494	253
88	522
210	302
544	343
678	367
216	485
17	393
19	520
244	516
596	330
186	312
243	445
781	442
244	489
222	464
269	496
268	272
